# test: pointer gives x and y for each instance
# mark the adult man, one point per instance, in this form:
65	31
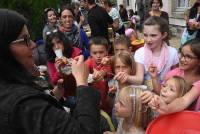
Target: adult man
98	19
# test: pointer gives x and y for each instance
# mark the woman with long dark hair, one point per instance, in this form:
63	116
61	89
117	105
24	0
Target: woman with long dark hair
24	107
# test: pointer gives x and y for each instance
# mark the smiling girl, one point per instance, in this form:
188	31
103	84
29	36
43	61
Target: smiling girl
189	69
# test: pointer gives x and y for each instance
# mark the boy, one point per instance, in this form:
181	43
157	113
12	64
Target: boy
100	72
121	44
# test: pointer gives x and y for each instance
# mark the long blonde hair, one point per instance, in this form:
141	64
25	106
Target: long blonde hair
140	113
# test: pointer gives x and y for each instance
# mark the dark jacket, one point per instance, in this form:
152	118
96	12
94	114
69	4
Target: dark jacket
192	15
26	110
98	20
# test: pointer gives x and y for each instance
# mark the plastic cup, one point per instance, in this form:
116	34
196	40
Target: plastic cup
58	53
42	68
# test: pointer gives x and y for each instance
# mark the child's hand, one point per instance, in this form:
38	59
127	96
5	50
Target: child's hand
60	62
152	71
106	61
162	108
121	77
98	75
112	89
58	90
154	103
146	96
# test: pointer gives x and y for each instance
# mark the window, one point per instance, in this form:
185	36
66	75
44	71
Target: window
127	2
181	5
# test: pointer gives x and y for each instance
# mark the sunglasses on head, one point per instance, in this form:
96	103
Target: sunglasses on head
52	32
49	9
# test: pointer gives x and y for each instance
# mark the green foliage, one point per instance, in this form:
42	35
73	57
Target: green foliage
32	10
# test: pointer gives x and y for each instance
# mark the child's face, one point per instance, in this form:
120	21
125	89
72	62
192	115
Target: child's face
188	60
121	48
153	37
98	52
123	106
121	67
170	91
57	44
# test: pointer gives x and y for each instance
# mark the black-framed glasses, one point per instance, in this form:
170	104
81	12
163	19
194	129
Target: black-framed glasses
25	38
186	57
51	32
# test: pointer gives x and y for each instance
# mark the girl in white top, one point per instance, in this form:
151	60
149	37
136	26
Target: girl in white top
133	115
156	52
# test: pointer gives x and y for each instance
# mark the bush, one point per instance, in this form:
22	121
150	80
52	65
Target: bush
33	11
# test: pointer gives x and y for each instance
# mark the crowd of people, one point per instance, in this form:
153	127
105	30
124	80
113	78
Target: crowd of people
92	84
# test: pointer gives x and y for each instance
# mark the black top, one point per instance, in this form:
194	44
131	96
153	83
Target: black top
27	110
193	15
123	14
162	15
98	20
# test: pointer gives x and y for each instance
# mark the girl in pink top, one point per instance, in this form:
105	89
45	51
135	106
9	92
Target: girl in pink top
189	69
57	40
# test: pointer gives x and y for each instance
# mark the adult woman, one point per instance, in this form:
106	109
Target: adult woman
24	108
50	20
57	40
155	6
75	34
193	23
123	13
117	22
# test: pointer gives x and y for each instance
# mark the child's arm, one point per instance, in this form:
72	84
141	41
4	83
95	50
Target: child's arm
153	73
138	78
180	103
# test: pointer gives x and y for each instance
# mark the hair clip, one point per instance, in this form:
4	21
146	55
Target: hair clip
132	95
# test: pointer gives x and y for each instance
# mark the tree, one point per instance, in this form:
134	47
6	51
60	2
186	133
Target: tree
33	11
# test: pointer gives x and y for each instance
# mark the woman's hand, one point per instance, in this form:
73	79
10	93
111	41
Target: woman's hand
80	70
108	132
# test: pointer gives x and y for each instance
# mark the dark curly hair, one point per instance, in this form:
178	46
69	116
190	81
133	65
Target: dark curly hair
49	46
45	14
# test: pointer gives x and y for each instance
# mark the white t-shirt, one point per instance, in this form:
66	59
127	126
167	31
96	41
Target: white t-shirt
115	15
172	60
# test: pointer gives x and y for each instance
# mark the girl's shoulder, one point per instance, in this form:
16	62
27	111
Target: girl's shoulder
174	72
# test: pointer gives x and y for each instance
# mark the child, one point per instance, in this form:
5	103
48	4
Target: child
123	65
135	41
56	40
173	88
155	52
100	72
133	115
189	69
122	44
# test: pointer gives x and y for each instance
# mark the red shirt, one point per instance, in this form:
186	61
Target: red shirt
102	85
69	80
